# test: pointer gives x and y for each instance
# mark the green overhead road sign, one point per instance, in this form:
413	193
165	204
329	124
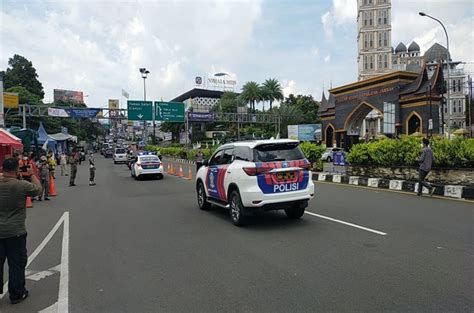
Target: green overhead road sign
140	110
169	111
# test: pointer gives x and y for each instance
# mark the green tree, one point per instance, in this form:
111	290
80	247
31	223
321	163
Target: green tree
26	97
251	93
272	91
307	105
290	115
22	73
228	103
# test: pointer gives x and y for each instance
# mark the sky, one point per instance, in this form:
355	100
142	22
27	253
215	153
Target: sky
97	46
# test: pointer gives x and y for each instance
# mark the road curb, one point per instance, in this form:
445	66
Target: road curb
448	191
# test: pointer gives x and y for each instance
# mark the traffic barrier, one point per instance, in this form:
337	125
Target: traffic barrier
180	171
171	170
52	187
190	173
29	203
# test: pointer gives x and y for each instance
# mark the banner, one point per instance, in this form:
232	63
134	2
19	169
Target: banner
57	112
68	96
201	117
114	105
82	113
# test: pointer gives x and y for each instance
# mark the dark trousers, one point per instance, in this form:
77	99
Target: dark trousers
72	178
91	174
198	165
14	250
422	182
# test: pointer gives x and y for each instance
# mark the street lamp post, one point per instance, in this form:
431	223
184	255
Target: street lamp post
145	73
447	63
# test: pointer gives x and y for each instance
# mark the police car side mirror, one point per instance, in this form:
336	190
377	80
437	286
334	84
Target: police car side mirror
205	162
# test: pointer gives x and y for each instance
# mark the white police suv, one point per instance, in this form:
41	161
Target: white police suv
147	164
256	175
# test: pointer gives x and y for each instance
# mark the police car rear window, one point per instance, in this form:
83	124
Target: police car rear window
149	159
278	152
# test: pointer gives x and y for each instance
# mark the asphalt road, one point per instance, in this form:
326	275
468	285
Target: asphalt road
144	246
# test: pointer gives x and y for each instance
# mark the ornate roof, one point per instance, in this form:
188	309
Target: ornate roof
331	101
413	47
324	103
436	52
401	48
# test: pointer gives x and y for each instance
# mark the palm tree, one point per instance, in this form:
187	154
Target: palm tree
273	91
264	96
251	93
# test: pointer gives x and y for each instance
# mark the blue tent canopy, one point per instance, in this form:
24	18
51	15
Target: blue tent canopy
43	137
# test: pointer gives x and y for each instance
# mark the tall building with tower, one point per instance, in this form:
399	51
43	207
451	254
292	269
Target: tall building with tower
374	38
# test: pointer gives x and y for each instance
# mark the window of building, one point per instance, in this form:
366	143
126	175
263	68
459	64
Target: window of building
371	18
459	85
371	62
379	59
379	17
380	39
365	2
385	39
454	106
366	62
366	19
371	38
366	40
461	106
385	61
454	85
388	118
445	109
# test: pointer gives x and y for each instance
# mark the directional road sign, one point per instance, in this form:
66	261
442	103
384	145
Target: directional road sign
169	111
140	110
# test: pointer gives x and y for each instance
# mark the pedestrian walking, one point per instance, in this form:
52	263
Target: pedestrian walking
199	159
43	167
13	193
73	162
426	160
91	170
63	164
366	137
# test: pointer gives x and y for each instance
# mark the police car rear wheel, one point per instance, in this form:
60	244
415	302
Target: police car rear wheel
201	197
236	209
294	213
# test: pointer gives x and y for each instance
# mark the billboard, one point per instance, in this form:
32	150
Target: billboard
68	96
11	100
114	105
305	132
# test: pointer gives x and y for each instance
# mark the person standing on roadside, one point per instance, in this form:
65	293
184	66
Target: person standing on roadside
73	161
52	164
63	164
91	170
426	160
13	193
199	159
43	167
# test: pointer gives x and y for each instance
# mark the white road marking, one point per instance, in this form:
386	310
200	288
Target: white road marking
63	296
50	309
38	275
347	223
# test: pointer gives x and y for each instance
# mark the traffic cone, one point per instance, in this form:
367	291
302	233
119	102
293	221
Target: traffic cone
52	187
180	171
29	204
190	172
170	169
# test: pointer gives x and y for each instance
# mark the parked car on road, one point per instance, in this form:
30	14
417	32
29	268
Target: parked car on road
327	156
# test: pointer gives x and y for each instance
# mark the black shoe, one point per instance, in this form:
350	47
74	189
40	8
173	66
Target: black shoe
39	199
47	199
16	301
418	194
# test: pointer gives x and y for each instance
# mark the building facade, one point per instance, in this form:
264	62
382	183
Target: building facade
407	59
374	38
392	104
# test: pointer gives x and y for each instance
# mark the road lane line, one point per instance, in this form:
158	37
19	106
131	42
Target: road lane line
347	223
63	296
38	250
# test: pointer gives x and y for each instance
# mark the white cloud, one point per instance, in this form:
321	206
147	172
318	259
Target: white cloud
98	46
315	51
289	87
327	58
342	12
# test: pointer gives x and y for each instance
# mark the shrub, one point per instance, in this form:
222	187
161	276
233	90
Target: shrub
405	151
313	153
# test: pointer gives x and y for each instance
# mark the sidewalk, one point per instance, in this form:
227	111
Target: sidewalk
449	191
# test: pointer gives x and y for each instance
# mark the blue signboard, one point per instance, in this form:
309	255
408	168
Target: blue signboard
339	158
82	113
201	117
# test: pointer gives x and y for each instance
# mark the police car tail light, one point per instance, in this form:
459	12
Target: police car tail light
253	171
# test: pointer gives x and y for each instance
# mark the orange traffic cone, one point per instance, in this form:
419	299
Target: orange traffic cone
171	169
180	171
190	172
29	203
52	187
